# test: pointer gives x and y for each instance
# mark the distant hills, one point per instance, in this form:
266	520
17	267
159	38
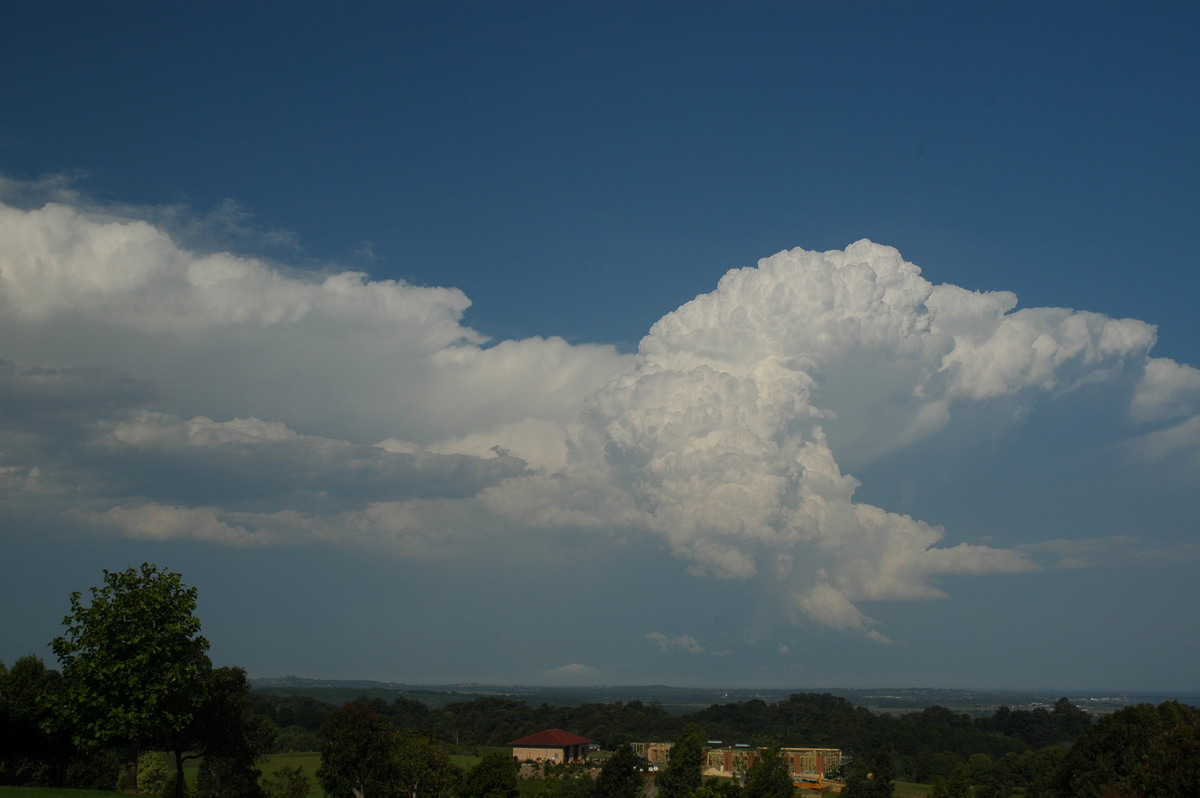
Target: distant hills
681	700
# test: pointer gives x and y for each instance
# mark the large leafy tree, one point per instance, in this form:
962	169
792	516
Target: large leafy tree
957	785
620	775
768	777
357	753
34	749
682	776
228	738
873	778
1143	750
423	768
132	661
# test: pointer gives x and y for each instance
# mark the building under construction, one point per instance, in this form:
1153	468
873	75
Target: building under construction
805	764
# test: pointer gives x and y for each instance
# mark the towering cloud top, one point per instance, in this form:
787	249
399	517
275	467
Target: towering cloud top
721	433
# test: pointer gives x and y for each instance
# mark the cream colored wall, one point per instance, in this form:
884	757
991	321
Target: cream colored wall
538	754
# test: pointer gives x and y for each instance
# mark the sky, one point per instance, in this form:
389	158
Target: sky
805	344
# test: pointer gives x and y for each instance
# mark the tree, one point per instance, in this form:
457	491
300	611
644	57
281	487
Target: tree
227	777
720	788
620	775
768	777
34	748
131	661
225	736
495	776
873	779
286	783
154	775
357	753
1141	750
569	783
957	785
421	765
682	776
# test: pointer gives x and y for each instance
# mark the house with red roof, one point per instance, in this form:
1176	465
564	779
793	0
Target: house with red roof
551	745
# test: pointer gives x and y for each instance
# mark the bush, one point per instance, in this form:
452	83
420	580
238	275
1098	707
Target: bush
152	775
98	769
286	783
297	738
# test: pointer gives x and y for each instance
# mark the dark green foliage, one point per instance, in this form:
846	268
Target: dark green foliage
228	777
495	776
93	769
422	765
132	661
356	753
286	783
720	788
568	782
153	775
956	785
289	710
1034	771
297	738
873	778
1039	728
363	756
769	777
34	747
1143	750
223	733
682	775
813	719
620	775
929	743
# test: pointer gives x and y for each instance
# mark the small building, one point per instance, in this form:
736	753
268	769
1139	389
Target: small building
552	745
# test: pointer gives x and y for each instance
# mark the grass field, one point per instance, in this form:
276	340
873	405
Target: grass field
311	761
47	792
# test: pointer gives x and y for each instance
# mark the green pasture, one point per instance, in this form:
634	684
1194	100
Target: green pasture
48	792
312	760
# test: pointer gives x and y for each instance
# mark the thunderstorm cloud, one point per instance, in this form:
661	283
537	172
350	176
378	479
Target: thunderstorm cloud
157	392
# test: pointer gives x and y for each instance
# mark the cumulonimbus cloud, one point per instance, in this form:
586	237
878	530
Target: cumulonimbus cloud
366	413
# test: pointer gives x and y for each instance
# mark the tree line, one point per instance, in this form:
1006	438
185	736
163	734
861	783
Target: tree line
927	744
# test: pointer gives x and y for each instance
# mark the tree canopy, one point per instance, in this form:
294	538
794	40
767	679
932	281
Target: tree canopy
356	752
620	775
1147	751
768	777
682	776
132	661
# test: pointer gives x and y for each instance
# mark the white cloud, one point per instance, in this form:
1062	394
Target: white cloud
331	354
574	669
330	407
161	522
829	606
684	643
147	429
1168	391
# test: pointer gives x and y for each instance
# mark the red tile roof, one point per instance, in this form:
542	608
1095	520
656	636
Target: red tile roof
550	738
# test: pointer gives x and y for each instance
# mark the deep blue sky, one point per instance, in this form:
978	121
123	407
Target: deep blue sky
581	170
536	153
